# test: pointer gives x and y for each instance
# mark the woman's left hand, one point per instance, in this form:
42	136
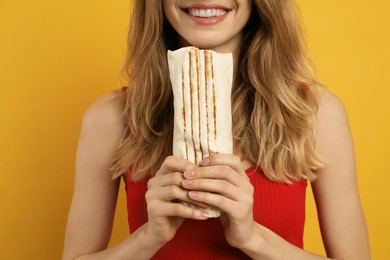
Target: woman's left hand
221	182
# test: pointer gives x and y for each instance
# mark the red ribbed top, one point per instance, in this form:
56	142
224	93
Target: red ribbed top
278	206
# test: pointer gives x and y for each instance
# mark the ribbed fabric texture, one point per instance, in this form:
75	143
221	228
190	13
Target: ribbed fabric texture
278	206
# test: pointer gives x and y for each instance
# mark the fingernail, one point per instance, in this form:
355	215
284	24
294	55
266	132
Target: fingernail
187	183
193	194
205	161
204	214
189	173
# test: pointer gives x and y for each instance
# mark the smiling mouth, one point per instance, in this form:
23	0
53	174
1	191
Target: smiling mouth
206	13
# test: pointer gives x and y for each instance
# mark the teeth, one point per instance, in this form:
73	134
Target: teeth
206	13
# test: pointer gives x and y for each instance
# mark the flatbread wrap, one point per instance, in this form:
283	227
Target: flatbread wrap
201	83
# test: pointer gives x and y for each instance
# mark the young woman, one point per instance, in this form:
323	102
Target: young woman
287	131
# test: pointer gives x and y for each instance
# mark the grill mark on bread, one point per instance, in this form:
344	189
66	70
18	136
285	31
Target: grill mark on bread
184	111
198	90
214	98
192	107
207	77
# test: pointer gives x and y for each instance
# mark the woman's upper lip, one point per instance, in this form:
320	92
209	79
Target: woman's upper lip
207	6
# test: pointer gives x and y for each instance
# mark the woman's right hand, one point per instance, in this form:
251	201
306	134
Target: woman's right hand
165	213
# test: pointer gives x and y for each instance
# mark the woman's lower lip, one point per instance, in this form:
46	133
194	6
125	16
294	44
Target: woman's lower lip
207	21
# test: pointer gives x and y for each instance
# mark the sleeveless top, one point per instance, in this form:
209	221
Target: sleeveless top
277	206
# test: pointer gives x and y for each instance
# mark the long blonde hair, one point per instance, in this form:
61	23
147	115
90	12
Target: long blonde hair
273	100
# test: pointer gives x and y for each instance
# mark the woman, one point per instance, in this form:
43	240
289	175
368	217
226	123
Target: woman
287	130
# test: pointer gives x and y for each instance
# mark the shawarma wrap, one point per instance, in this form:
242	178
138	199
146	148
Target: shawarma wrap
201	83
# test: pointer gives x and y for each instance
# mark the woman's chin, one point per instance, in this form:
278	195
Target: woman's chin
204	42
207	46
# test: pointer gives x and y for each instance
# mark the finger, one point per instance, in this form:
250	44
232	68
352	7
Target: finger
176	210
224	159
221	187
169	194
166	194
174	178
215	200
223	172
175	164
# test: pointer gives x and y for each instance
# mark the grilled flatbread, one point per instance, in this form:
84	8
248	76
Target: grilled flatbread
201	82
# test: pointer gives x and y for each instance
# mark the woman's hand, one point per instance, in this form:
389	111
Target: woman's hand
222	182
165	214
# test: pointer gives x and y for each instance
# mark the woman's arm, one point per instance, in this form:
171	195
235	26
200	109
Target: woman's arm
340	213
95	193
93	206
341	218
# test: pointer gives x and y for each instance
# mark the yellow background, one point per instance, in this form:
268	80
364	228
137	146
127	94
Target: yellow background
56	57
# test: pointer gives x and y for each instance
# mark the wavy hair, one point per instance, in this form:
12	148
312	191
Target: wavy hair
274	98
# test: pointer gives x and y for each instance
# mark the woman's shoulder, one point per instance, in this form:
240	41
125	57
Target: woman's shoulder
103	117
330	106
332	125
